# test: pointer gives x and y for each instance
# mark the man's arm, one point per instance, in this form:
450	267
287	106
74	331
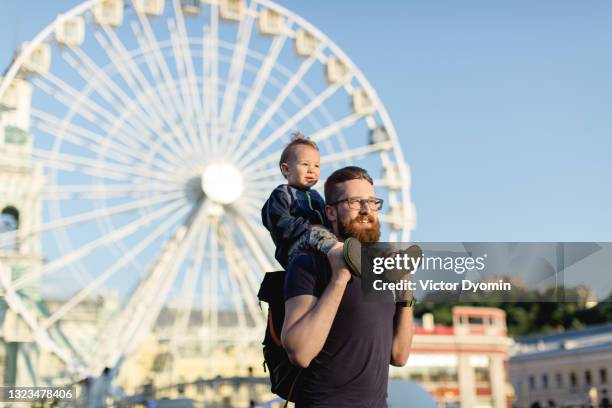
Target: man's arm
308	321
403	329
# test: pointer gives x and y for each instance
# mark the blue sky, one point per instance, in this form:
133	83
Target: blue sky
503	109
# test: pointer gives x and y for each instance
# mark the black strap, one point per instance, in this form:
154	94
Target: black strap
291	389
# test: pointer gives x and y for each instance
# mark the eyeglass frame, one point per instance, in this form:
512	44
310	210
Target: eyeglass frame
362	201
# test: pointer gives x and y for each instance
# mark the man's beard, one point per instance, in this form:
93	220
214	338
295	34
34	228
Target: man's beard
353	228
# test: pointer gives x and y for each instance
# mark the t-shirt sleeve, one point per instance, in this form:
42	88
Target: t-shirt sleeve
302	277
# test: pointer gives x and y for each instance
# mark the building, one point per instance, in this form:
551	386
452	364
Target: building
570	369
465	365
20	246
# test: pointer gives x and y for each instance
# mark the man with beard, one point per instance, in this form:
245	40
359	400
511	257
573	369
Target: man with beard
343	343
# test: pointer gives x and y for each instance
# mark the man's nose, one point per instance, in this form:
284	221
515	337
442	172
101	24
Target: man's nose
364	208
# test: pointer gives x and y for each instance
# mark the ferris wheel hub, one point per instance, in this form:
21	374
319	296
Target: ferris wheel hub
222	183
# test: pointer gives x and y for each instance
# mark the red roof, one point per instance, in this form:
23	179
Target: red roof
438	330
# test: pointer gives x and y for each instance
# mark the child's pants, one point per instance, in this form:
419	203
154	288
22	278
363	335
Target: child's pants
317	238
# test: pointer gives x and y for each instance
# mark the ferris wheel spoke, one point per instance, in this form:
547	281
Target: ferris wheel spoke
128	256
253	202
101	191
271	172
356	152
252	207
241	278
262	234
211	75
259	196
100	147
54	125
67	159
263	75
211	286
187	79
158	63
63	223
262	145
90	247
146	303
49	123
189	289
80	138
320	135
43	338
111	88
79	103
229	285
253	243
236	69
131	74
271	110
265	186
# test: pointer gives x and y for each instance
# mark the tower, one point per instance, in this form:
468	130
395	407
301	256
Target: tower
20	220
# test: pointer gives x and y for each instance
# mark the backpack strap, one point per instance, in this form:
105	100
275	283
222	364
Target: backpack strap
273	333
291	389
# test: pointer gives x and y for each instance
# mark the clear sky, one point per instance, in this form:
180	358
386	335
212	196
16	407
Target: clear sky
504	109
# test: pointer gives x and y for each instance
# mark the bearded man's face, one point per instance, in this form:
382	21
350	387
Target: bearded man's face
364	227
360	223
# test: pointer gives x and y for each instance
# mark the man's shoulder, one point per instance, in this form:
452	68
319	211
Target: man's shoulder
309	259
307	274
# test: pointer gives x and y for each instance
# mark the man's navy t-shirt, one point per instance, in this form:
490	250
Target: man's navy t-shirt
352	369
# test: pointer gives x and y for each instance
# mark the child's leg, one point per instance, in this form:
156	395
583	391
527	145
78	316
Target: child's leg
320	239
323	240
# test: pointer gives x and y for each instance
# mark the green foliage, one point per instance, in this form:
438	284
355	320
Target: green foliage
539	315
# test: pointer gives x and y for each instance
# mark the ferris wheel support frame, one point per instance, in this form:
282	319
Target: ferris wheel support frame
139	315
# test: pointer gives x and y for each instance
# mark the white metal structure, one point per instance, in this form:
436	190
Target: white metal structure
158	127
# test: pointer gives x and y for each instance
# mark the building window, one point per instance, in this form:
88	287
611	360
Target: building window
603	375
587	377
475	320
532	382
573	380
559	380
200	385
9	222
545	381
481	374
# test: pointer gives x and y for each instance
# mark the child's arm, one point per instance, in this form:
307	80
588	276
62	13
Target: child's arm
277	217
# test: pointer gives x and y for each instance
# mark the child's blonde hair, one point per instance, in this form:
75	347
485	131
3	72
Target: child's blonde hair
297	139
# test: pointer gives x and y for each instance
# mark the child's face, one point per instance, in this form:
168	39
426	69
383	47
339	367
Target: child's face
302	169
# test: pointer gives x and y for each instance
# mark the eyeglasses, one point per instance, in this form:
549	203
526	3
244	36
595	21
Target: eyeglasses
356	203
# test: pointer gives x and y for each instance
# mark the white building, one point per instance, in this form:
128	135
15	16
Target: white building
20	218
465	365
570	369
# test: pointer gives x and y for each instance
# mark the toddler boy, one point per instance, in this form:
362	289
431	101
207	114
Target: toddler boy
295	214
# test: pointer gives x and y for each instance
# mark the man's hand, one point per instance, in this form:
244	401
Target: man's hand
340	271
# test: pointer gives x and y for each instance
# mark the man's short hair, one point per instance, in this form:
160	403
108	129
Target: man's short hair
297	139
342	175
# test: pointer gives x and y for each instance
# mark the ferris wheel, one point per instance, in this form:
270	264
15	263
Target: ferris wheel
144	138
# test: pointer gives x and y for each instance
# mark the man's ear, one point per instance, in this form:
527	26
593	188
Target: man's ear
331	213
